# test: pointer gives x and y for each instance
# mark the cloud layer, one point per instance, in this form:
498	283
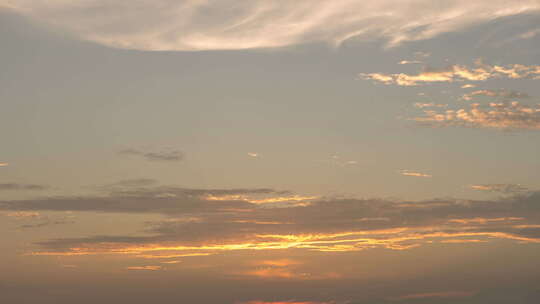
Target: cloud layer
198	224
230	24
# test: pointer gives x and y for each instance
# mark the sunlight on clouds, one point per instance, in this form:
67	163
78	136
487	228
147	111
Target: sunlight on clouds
414	173
454	73
4	164
502	115
281	199
393	239
22	214
465	241
151	268
502	188
185	25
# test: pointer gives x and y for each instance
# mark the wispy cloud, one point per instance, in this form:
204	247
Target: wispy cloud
48	222
414	173
150	268
452	73
197	226
429	105
2	164
163	155
438	294
253	154
501	115
18	186
409	62
502	188
22	214
503	94
185	25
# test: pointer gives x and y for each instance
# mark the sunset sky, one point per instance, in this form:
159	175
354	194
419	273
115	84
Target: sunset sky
270	151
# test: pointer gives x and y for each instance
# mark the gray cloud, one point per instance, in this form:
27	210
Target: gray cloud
159	199
47	222
229	24
501	188
164	155
18	186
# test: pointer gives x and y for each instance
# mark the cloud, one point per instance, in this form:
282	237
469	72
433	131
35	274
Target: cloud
22	214
502	116
504	94
166	199
2	164
409	62
452	73
283	302
129	183
165	155
253	154
195	225
429	105
338	161
47	222
233	25
16	186
414	173
150	268
431	295
502	188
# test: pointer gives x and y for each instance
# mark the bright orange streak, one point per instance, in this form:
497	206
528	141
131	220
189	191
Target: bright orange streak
400	239
151	268
279	199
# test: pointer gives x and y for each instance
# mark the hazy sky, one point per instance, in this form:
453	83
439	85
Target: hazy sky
270	151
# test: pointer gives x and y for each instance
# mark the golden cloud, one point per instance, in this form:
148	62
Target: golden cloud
480	72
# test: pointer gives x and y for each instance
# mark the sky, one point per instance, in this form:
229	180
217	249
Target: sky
270	151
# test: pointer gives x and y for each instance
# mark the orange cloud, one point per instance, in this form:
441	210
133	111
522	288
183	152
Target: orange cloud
22	214
151	268
393	239
483	221
480	72
462	241
509	116
503	188
279	263
414	173
4	164
277	199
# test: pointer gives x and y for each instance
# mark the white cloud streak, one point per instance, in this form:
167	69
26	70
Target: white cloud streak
233	25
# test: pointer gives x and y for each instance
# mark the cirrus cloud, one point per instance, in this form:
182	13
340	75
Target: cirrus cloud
233	25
